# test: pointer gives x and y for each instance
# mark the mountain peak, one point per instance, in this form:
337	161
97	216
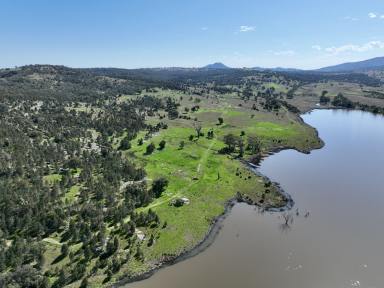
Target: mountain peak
217	65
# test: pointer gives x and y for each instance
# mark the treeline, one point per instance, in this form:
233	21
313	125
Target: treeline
341	101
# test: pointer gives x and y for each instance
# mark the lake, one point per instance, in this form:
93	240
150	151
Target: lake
336	239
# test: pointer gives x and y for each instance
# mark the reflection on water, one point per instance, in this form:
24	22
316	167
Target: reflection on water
333	237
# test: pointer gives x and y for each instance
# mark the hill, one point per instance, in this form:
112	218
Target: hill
370	64
216	65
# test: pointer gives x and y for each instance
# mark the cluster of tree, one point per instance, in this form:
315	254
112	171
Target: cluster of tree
306	77
237	143
324	99
341	101
171	108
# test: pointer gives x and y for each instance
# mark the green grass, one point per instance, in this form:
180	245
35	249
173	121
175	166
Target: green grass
72	193
199	159
276	86
52	179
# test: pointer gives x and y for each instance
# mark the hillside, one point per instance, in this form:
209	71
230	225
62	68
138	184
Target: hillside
366	65
216	65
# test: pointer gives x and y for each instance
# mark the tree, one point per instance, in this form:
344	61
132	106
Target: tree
240	143
139	254
116	264
253	144
324	92
61	280
198	128
324	100
230	141
181	145
341	101
115	244
162	144
210	134
221	120
64	250
150	148
190	137
112	246
158	186
125	144
140	141
78	271
288	220
151	241
84	283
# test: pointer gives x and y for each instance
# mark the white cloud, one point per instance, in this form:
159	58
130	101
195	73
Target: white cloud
284	53
372	15
355	48
245	28
316	47
350	18
382	16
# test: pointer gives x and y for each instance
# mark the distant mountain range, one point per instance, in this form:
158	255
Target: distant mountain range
360	66
277	69
219	65
370	64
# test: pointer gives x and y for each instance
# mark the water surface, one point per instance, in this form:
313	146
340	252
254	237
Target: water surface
341	242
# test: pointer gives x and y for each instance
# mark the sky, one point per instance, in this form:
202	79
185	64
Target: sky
302	34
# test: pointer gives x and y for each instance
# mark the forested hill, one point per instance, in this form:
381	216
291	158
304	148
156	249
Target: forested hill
63	173
63	83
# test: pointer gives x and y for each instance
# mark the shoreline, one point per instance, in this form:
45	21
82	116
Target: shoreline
217	222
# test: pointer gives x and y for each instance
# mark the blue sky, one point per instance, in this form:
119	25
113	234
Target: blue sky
158	33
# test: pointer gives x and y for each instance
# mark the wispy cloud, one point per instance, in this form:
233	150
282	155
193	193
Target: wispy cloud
316	47
373	15
355	48
245	28
350	18
284	53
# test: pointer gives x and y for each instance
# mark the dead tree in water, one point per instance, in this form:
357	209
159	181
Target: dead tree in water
288	220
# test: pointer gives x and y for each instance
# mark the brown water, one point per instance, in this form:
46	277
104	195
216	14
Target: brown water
340	244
